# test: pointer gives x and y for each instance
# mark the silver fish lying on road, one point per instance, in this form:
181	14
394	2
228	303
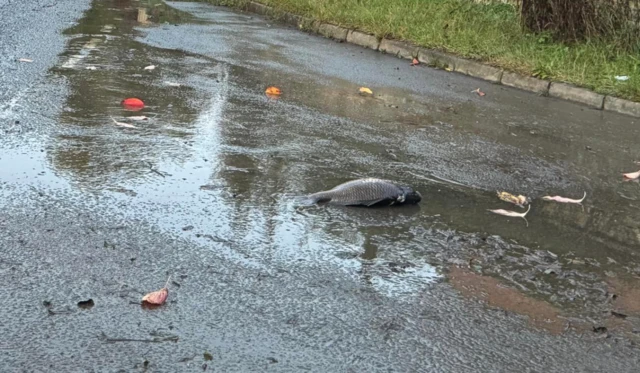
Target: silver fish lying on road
367	192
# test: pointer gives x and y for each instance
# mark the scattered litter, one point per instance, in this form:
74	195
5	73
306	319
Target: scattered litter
622	78
158	297
631	176
139	117
365	91
150	67
564	200
273	91
519	201
415	62
479	92
91	68
513	214
122	124
86	304
24	60
172	84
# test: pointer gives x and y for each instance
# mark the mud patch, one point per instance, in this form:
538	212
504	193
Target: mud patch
541	314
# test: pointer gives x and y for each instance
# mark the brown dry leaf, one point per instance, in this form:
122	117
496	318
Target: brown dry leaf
273	91
415	62
631	176
24	60
122	124
365	91
519	201
158	297
513	214
479	92
564	199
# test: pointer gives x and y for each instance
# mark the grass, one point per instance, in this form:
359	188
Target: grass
489	33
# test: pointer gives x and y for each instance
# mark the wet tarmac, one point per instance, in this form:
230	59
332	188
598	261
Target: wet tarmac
201	190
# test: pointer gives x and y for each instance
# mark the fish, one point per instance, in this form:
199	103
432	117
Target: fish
367	192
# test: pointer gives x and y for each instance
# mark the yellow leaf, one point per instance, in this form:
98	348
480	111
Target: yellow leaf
365	90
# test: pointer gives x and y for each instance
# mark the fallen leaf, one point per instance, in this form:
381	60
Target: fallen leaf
415	62
122	124
273	91
513	214
24	60
140	117
564	199
479	92
86	304
631	176
150	67
133	102
519	201
448	68
365	91
158	297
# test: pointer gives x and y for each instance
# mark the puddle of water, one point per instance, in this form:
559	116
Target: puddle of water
218	128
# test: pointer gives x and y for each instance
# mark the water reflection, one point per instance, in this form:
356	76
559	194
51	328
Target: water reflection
218	128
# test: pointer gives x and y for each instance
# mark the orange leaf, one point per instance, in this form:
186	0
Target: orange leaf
159	296
415	62
273	91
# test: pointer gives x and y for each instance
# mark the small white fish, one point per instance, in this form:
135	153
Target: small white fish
24	60
564	199
150	67
141	117
122	124
631	176
513	214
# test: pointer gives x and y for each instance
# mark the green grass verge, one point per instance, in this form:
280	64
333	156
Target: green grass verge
488	33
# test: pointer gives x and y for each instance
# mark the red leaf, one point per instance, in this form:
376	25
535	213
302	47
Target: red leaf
134	103
415	62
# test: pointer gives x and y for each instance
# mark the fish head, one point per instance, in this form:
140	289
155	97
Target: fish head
409	196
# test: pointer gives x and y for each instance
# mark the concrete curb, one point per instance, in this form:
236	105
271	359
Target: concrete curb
453	63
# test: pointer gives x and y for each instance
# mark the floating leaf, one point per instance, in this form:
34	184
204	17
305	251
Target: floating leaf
520	200
415	62
158	297
24	60
122	124
273	91
513	214
150	67
133	102
564	199
365	91
479	92
631	176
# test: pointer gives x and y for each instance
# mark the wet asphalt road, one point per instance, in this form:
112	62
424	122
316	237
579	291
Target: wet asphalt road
200	192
